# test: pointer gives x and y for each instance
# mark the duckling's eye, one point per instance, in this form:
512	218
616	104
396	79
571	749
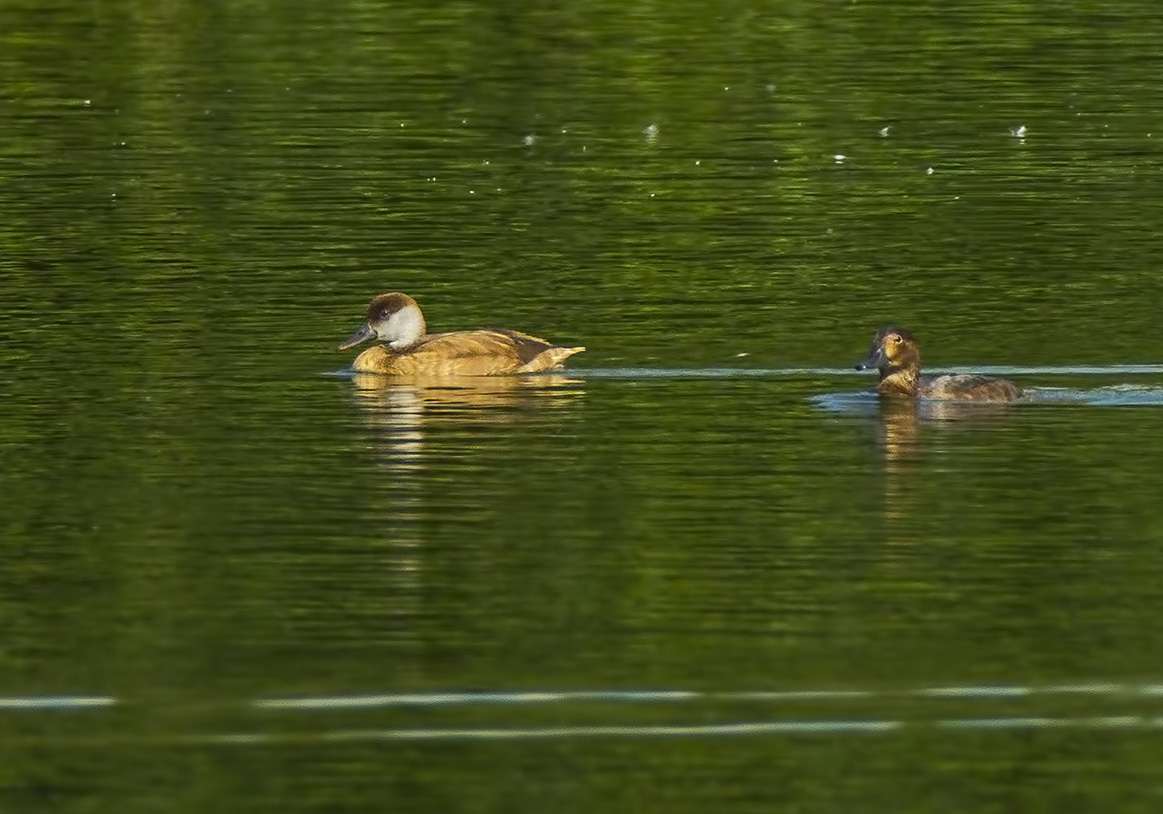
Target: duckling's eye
896	340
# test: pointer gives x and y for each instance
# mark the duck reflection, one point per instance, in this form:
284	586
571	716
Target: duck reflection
399	412
402	407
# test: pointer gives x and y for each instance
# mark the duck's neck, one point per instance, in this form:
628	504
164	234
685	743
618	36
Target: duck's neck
899	381
404	327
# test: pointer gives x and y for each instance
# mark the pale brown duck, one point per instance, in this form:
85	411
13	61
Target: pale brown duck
396	320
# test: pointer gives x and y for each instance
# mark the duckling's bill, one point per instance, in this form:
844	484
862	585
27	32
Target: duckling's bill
874	360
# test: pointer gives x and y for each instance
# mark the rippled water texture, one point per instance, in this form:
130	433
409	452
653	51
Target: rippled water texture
703	569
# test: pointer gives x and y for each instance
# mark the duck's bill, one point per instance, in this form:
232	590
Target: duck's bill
873	361
362	335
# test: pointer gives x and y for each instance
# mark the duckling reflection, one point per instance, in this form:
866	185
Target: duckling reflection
898	432
410	351
895	354
901	422
906	429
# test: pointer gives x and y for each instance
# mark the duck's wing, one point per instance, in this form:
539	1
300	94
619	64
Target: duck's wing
487	342
482	353
536	353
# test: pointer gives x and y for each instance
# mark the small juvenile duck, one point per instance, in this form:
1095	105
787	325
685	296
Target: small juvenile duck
894	353
396	319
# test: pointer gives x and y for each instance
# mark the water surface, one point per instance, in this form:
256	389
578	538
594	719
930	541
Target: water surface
701	570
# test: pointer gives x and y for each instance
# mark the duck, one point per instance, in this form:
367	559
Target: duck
895	354
408	350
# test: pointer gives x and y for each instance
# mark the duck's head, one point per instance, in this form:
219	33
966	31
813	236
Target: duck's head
393	318
894	348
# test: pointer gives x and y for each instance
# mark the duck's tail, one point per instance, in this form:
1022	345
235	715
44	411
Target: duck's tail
551	359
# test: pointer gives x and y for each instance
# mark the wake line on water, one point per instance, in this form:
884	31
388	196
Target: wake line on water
791	372
631	696
1116	395
685	696
751	728
746	728
747	372
1136	723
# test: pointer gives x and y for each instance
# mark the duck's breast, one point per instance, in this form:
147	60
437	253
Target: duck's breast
376	359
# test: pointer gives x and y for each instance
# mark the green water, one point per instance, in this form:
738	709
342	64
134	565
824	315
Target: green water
234	578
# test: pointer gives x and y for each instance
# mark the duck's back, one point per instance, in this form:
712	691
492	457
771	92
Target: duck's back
490	352
968	387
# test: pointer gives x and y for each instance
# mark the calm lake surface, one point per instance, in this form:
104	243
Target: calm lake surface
702	570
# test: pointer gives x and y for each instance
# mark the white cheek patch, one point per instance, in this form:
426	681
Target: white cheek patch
402	328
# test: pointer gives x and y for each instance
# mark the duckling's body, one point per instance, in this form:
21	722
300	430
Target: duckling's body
895	354
397	319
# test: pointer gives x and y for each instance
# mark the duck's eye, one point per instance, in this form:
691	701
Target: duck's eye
896	340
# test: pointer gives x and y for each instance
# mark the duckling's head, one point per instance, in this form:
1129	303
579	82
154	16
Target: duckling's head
393	318
893	349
